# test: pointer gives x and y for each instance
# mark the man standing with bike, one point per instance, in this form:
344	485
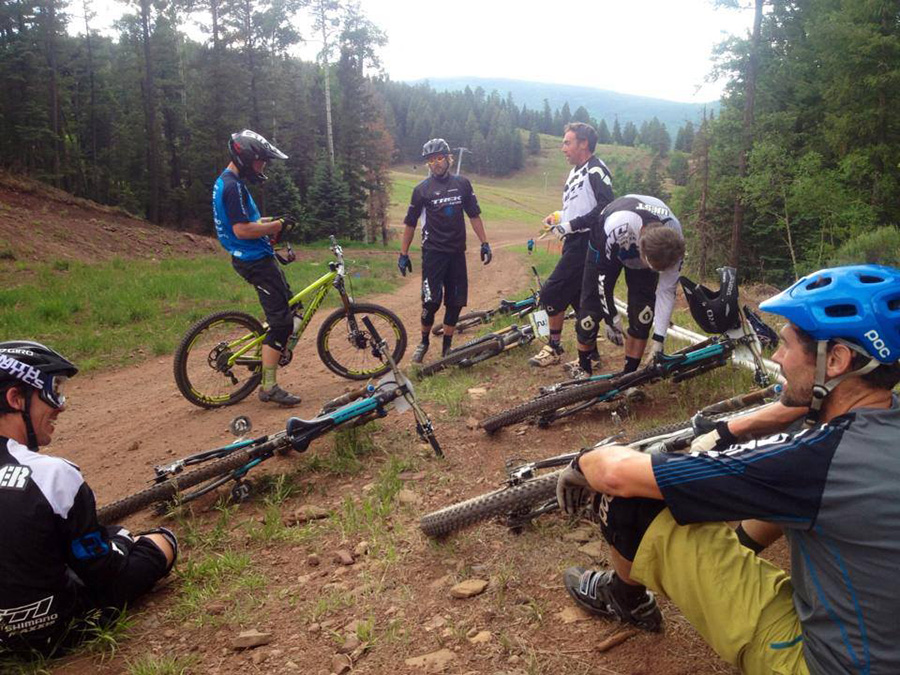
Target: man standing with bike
641	235
587	191
249	238
831	487
60	570
445	199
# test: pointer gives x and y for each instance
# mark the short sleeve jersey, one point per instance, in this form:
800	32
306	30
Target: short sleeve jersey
444	201
587	191
835	491
232	203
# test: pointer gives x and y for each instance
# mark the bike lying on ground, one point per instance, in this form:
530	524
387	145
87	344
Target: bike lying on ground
572	396
232	462
526	494
219	360
480	317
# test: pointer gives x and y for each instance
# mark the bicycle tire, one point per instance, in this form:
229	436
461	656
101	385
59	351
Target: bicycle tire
550	402
197	377
464	322
351	356
161	492
488	347
497	503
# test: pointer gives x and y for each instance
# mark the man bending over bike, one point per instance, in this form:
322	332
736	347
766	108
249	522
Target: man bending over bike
249	238
641	235
60	570
444	198
587	191
832	488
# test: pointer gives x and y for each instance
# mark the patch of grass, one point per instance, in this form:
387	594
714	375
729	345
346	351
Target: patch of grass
151	664
449	389
212	578
368	517
329	602
349	446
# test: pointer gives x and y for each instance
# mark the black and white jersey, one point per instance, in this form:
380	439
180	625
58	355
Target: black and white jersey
444	200
587	191
49	531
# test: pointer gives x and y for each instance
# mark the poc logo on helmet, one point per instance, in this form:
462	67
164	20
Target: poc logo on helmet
882	349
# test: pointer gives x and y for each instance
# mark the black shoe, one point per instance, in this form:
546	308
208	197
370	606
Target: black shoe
592	591
278	395
419	355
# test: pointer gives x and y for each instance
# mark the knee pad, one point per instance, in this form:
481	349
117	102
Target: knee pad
640	322
428	312
170	537
624	520
278	335
586	327
451	315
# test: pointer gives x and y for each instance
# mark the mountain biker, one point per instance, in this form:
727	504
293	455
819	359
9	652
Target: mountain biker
58	565
832	487
444	198
249	238
640	234
587	191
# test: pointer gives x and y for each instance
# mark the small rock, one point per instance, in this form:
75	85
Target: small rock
471	423
343	557
581	534
412	475
215	608
306	513
313	560
434	623
134	446
368	488
352	627
481	637
362	548
249	639
595	550
314	628
472	632
477	392
351	642
341	664
441	582
469	588
435	662
258	657
572	614
513	660
408	497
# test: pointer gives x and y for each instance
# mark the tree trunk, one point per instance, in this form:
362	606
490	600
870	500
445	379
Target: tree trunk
702	221
150	117
251	65
53	89
746	133
92	113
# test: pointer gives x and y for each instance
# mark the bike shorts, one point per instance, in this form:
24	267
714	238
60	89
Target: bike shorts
599	282
266	276
444	279
562	288
741	604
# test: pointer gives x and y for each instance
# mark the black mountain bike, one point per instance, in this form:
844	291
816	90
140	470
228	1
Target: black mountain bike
572	396
528	493
172	484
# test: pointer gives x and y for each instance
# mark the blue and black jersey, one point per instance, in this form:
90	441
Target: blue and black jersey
836	492
232	203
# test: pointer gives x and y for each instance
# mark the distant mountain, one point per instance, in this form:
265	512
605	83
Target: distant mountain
600	103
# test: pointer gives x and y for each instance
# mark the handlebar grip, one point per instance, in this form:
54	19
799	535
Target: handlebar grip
371	328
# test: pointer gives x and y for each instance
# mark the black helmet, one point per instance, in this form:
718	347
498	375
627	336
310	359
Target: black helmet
38	366
247	146
714	311
436	146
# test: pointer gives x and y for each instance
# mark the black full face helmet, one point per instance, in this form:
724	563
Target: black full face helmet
23	362
248	146
714	311
436	146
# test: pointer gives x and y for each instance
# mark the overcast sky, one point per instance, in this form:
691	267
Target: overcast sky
658	48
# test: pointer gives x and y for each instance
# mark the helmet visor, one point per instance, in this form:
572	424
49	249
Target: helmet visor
52	393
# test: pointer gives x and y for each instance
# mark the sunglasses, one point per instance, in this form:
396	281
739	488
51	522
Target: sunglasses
434	159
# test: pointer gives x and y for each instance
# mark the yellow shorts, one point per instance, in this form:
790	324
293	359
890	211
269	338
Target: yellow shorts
739	603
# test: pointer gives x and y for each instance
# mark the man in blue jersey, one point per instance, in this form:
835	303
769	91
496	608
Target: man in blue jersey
249	238
831	489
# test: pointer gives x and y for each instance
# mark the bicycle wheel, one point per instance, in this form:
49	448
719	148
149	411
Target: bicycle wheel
201	365
569	396
161	492
465	322
348	352
500	502
479	350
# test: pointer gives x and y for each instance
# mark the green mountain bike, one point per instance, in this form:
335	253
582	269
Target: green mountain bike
219	360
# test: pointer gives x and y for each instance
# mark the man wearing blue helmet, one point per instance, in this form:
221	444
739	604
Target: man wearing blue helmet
831	488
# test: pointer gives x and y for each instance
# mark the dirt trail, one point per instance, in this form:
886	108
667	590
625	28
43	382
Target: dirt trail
121	423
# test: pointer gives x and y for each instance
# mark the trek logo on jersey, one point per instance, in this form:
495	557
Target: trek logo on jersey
880	347
14	476
447	201
28	374
27	618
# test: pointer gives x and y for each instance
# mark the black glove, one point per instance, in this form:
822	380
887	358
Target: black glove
572	489
486	255
710	435
404	264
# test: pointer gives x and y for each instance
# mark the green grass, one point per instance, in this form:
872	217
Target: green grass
117	312
150	664
219	577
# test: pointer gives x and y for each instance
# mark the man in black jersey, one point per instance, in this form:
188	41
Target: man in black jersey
444	198
588	190
60	569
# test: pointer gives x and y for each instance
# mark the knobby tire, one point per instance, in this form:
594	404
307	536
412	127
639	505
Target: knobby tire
486	349
334	334
464	323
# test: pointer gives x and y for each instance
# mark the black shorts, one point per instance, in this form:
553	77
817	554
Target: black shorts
641	294
444	278
563	287
273	290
